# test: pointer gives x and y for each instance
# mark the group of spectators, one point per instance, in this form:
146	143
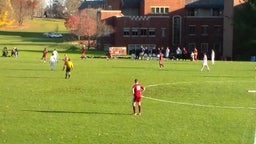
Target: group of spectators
178	54
14	52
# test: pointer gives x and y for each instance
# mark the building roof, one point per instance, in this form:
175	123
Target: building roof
92	4
131	3
204	3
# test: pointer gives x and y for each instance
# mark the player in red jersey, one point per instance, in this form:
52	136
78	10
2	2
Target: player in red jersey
161	58
45	52
136	90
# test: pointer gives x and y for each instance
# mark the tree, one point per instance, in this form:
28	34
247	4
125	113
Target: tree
244	22
87	27
32	4
24	9
21	10
83	25
72	6
6	13
72	23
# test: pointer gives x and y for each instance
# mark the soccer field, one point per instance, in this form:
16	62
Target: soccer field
181	105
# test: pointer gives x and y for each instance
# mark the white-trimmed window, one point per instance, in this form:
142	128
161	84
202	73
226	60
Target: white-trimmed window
134	32
176	30
159	10
126	32
152	32
143	32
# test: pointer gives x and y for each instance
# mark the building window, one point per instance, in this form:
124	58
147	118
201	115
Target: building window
217	47
163	32
162	10
217	29
204	12
143	32
217	12
126	32
204	47
166	10
159	10
153	10
191	47
192	30
176	28
152	32
192	12
134	32
204	30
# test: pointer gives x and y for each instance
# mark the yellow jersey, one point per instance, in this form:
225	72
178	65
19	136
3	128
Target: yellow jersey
69	64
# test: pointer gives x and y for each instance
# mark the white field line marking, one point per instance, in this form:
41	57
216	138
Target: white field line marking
155	85
254	137
252	91
200	105
194	104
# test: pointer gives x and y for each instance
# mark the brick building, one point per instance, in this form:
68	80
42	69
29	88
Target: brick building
204	24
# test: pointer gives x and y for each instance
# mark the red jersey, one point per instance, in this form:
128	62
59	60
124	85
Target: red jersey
137	89
45	52
161	57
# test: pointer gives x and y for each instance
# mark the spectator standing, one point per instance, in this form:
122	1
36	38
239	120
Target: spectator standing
184	54
167	52
213	56
178	53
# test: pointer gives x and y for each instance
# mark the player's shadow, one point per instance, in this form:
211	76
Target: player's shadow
73	112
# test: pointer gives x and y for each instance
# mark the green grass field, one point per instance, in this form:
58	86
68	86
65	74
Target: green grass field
181	105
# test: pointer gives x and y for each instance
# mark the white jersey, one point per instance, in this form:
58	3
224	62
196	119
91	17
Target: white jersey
205	60
55	53
53	59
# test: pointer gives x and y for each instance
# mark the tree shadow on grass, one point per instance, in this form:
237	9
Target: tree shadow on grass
31	36
74	112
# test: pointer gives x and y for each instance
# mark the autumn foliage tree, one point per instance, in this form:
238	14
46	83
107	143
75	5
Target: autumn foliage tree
82	25
32	4
6	13
72	23
23	9
16	11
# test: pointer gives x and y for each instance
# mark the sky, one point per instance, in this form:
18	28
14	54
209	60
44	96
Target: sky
48	2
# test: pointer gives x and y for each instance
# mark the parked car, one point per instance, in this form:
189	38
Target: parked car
52	35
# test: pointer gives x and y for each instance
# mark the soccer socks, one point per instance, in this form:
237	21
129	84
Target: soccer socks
134	109
139	109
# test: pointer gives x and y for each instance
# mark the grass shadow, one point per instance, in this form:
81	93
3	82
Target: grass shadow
31	36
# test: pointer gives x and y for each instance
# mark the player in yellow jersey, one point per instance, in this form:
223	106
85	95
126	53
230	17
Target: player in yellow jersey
68	66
